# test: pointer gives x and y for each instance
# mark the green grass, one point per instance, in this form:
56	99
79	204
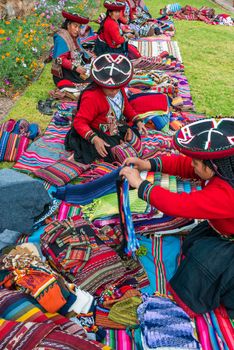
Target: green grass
26	105
207	53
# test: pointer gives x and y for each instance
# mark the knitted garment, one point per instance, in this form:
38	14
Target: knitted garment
61	172
125	311
85	193
164	324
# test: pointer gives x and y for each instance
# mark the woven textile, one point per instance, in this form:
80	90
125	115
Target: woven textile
31	335
164	324
61	172
85	193
71	247
155	48
126	222
12	146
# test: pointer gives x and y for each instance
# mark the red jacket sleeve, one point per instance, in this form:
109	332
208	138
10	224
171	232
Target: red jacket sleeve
84	117
130	114
214	201
178	165
113	32
66	60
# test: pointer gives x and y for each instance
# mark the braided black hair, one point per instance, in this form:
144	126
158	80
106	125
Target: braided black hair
65	23
223	168
100	30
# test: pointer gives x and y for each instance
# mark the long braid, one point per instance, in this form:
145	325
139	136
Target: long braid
223	168
100	30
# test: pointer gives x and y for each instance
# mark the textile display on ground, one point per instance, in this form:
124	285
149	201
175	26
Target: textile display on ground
155	48
99	279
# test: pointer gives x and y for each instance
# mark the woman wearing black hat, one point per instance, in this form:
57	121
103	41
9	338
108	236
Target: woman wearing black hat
205	277
104	113
110	38
69	57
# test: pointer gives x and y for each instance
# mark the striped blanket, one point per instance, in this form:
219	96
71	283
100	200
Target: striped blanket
154	48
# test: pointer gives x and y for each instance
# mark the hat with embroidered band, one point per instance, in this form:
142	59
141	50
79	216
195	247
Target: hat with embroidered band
206	139
111	71
74	17
114	5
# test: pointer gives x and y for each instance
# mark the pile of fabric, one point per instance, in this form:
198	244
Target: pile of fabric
204	14
86	264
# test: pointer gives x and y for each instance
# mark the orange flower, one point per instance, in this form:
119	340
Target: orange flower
7	22
2	31
3	57
17	59
8	54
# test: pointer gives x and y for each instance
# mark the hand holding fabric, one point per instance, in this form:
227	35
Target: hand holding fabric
142	128
139	164
81	70
132	175
100	146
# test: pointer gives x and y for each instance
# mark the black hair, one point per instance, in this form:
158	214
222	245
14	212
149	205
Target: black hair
223	168
65	23
100	30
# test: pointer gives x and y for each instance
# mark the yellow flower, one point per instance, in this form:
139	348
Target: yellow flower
26	36
3	57
7	22
17	59
2	31
8	54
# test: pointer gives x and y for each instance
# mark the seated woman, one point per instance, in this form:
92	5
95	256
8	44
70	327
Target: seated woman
69	58
104	113
137	19
110	38
205	278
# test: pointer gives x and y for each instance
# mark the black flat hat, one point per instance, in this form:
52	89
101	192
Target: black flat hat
112	71
207	139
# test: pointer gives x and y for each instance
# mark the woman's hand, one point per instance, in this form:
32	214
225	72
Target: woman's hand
139	164
129	35
100	146
132	175
142	128
81	70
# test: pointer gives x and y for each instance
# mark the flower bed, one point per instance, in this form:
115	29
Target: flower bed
23	42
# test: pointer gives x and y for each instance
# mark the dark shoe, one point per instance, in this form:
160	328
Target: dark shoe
43	108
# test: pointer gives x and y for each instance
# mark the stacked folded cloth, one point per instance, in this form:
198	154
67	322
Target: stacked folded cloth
15	137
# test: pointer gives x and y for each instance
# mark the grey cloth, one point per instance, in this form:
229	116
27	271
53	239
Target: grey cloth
8	237
22	198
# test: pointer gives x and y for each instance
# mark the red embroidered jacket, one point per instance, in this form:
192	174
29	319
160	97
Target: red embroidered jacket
215	202
93	111
111	33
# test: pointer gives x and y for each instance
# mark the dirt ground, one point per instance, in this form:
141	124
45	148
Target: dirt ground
5	105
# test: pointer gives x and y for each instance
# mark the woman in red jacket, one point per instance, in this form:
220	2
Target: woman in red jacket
110	38
104	114
205	277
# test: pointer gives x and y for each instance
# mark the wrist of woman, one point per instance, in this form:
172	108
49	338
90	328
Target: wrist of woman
92	138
